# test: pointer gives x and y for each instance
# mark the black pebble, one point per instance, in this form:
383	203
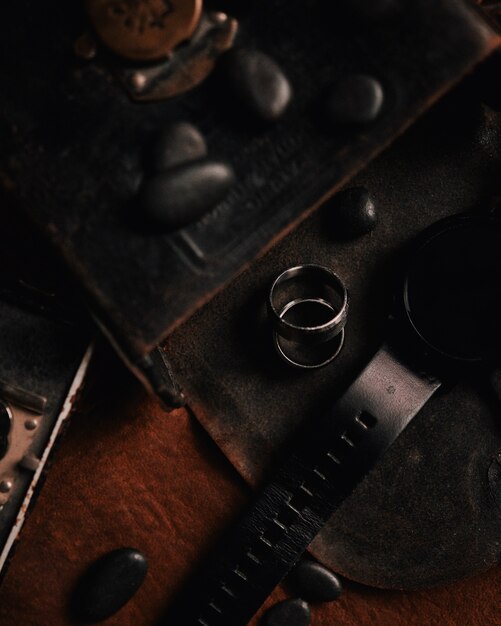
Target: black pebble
288	613
182	195
354	100
259	82
351	213
178	144
109	584
314	582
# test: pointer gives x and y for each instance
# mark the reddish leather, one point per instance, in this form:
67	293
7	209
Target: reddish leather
127	474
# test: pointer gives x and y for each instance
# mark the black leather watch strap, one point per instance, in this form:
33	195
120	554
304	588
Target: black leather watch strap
343	447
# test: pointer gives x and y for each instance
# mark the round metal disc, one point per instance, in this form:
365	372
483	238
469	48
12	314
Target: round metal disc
144	30
452	292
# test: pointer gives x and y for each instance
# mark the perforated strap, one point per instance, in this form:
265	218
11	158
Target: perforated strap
343	447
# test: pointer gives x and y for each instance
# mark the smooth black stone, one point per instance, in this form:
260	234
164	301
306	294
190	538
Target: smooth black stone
351	213
314	582
109	584
288	613
184	194
259	82
178	144
356	99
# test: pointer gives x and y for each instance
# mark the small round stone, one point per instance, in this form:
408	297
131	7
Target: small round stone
184	194
259	82
314	582
356	99
178	144
352	213
288	613
109	584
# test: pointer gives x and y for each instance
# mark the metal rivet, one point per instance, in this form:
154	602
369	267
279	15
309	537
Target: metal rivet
5	486
218	17
138	81
31	424
85	47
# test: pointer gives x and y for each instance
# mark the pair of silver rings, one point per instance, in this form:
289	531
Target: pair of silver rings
308	308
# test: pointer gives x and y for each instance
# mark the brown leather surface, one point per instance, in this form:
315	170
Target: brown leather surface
127	474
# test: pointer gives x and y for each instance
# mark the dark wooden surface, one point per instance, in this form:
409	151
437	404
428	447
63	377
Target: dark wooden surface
127	474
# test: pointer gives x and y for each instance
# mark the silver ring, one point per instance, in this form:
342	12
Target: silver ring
310	356
308	282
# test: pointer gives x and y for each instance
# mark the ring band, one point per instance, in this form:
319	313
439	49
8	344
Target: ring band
285	352
302	283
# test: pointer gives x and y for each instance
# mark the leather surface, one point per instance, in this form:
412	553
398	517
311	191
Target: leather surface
334	454
127	474
64	122
395	530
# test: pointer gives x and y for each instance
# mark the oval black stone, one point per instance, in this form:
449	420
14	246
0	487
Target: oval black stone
354	100
109	584
259	82
288	613
351	213
178	144
182	195
314	582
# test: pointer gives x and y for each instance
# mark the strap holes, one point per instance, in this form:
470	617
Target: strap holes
366	420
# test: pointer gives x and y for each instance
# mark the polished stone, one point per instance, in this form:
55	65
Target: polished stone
182	195
314	582
109	584
259	82
351	213
178	144
356	99
288	613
